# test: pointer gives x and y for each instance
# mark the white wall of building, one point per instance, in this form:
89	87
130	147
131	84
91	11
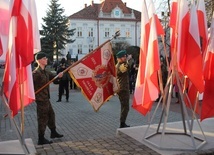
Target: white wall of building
99	30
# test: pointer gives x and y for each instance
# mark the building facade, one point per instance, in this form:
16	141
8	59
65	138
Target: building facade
97	23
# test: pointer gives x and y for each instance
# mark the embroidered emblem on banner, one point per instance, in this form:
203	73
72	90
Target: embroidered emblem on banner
106	54
101	76
98	98
82	71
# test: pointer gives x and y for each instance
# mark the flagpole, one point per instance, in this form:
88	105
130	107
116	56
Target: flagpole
20	78
166	55
74	64
22	107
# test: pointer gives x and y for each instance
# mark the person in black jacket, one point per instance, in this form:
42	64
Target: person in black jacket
64	80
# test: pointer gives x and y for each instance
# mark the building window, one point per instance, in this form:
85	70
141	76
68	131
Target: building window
90	48
127	33
79	32
117	13
106	32
79	48
91	32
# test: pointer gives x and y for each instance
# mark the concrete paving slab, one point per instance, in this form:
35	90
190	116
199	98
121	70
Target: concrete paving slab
14	147
177	143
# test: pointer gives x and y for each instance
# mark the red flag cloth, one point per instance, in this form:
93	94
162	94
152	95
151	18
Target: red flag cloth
202	22
194	101
1	48
182	30
18	84
159	27
151	12
95	74
145	29
173	14
173	31
192	58
150	89
4	26
207	110
18	81
24	11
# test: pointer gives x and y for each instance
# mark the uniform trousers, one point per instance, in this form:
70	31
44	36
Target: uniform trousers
124	96
45	116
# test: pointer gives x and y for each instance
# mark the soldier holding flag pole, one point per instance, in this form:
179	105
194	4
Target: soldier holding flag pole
94	74
45	112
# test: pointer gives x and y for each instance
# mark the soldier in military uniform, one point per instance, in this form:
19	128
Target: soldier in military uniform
45	112
122	69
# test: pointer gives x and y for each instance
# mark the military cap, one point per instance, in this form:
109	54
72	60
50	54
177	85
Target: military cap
40	55
121	53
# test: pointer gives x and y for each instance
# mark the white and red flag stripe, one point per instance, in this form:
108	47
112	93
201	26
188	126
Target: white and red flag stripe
182	31
150	90
24	41
27	29
139	86
193	56
151	87
194	60
4	26
173	31
151	13
202	22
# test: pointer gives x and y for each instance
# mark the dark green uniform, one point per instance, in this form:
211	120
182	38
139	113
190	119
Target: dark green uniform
45	113
123	93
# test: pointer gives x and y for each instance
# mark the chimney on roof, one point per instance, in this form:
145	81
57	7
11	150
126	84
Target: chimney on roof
85	5
125	3
92	3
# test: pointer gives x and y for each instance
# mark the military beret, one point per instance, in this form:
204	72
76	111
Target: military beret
40	55
121	53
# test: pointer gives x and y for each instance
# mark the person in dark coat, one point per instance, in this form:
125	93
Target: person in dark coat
122	69
45	112
64	80
72	83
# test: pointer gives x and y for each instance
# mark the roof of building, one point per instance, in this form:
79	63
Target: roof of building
108	5
92	11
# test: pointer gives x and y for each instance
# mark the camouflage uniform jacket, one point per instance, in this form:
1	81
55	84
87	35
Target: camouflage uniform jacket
40	78
123	75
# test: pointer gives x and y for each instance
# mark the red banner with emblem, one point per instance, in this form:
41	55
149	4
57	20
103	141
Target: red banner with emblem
95	74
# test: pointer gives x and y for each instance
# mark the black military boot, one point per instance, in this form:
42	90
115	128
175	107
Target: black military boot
55	134
124	125
42	140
